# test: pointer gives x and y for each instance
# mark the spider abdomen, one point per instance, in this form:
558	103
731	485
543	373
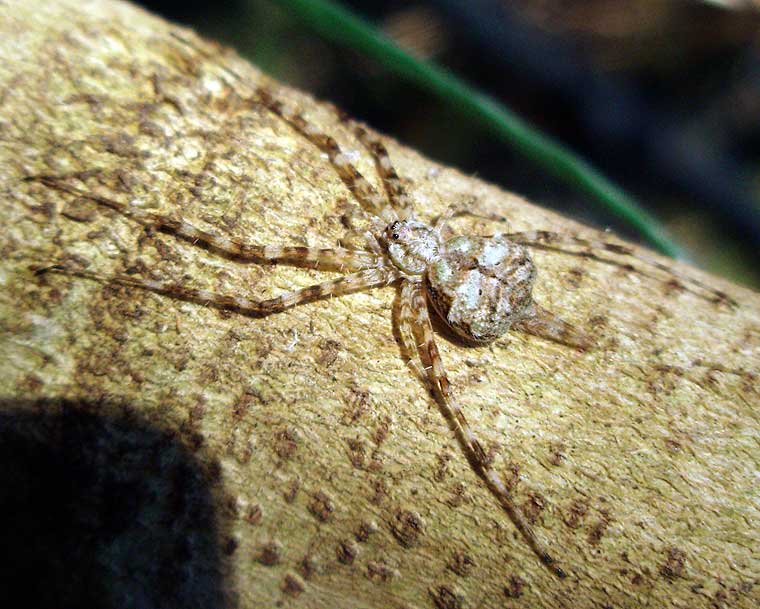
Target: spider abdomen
480	286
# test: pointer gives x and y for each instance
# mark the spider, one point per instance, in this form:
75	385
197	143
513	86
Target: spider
480	286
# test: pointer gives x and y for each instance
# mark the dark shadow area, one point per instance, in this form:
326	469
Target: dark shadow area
106	511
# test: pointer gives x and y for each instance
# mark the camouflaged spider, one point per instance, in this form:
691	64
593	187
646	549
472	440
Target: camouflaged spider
481	287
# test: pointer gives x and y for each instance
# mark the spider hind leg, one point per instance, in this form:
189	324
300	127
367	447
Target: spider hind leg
543	323
557	241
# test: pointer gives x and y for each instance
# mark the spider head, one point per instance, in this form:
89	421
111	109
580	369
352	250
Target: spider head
411	245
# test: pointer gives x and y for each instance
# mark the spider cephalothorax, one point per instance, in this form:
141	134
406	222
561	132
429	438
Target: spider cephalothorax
411	245
480	286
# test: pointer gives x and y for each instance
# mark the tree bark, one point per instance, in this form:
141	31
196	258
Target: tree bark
185	456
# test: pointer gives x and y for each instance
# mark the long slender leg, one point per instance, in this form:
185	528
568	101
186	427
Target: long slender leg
339	259
371	200
554	241
459	208
406	327
394	187
335	287
474	450
542	322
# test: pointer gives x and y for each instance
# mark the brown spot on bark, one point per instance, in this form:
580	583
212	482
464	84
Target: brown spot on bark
512	476
380	492
269	554
514	587
253	514
673	286
442	469
291	491
356	452
292	585
406	527
358	405
445	598
307	567
575	277
457	497
534	506
321	506
364	531
556	454
328	352
461	563
598	529
381	432
347	551
285	443
576	513
674	565
673	445
378	572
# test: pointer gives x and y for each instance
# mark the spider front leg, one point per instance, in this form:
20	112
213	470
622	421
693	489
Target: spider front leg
394	187
336	259
452	410
370	199
347	284
555	241
459	208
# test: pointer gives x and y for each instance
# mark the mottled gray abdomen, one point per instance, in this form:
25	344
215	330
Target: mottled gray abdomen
481	285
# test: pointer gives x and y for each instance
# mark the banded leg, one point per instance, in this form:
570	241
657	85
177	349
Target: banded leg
545	324
406	327
338	259
555	241
347	284
477	456
458	209
394	187
366	194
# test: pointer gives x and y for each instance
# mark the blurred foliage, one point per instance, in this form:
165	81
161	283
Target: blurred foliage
662	95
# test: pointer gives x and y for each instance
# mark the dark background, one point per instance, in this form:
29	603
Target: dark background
662	96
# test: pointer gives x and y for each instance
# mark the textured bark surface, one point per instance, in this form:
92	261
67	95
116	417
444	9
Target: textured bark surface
160	453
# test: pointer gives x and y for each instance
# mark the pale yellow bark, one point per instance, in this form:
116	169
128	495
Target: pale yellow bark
637	462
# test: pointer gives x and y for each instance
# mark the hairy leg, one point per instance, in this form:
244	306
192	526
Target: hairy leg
458	209
338	259
555	241
347	284
545	324
366	194
394	188
452	410
406	327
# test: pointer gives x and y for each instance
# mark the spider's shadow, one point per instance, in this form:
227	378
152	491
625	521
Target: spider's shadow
105	512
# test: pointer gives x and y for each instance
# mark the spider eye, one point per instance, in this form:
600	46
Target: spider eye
394	236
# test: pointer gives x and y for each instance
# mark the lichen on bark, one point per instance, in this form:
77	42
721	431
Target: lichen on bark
302	441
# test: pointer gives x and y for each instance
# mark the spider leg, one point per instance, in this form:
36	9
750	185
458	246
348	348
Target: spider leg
338	259
406	327
335	287
366	194
452	410
545	324
394	187
555	241
459	208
